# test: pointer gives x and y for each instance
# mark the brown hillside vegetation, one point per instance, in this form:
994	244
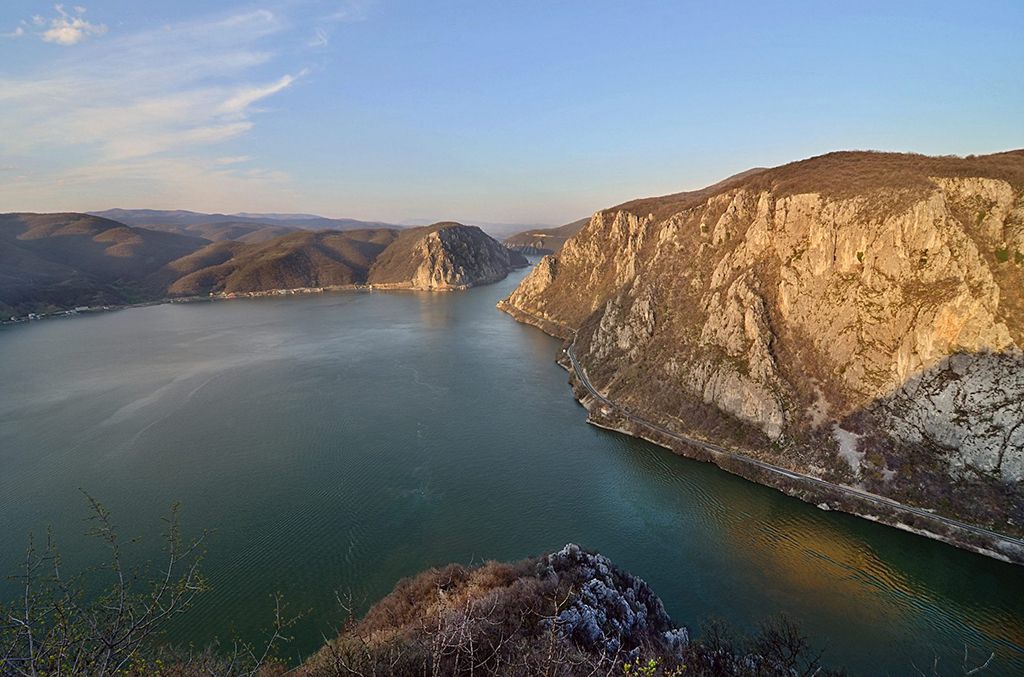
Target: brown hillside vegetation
241	231
51	261
568	613
844	174
299	259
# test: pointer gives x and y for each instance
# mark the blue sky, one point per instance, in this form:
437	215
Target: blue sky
521	112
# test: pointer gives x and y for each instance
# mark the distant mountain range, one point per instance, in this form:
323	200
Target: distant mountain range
55	262
149	218
544	240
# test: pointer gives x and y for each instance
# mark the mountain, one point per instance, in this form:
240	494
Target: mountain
58	261
544	240
183	219
53	262
856	317
443	256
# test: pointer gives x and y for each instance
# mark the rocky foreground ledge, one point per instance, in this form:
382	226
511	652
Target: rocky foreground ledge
572	612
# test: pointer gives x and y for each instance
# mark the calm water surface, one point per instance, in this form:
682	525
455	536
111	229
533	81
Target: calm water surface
345	441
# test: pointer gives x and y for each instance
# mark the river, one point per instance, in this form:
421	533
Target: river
343	441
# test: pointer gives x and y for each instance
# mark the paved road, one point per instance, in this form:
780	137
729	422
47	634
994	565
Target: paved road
581	375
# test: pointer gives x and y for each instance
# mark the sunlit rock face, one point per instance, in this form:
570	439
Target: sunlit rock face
798	299
443	256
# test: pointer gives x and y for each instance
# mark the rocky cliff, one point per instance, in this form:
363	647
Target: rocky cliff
443	256
858	317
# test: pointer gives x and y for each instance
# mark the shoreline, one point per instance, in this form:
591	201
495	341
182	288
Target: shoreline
606	414
231	296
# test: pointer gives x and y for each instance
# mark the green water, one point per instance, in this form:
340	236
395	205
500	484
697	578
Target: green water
341	442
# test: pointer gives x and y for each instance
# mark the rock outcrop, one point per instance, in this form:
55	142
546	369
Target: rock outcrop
569	613
855	306
443	256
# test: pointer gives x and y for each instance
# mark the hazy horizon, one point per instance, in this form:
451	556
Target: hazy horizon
531	113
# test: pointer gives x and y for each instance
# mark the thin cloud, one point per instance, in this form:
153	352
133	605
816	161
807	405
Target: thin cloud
233	159
321	38
241	101
348	12
69	28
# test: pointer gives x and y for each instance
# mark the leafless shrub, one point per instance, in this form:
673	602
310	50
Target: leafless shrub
54	628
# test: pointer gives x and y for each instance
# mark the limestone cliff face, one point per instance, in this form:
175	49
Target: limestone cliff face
441	257
857	313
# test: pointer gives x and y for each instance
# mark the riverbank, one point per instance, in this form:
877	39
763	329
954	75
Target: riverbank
228	296
606	414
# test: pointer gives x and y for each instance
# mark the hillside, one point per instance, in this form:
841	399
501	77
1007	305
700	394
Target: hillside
443	256
219	231
544	240
55	261
857	317
296	260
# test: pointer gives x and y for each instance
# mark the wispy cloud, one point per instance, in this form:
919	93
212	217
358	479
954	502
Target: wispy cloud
240	102
232	159
348	11
67	28
146	108
321	37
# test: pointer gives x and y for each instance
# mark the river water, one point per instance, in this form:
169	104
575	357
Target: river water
341	442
